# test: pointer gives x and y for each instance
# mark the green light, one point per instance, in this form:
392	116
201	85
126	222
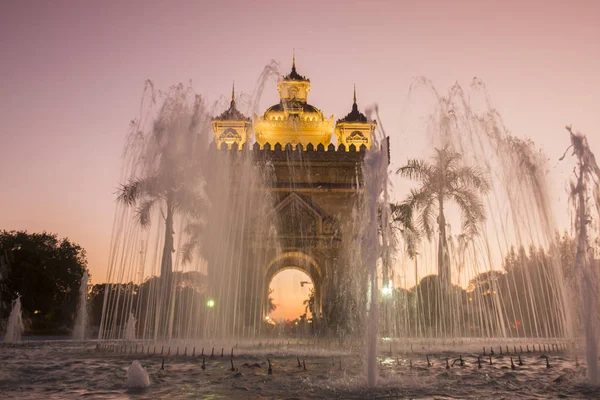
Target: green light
210	303
387	290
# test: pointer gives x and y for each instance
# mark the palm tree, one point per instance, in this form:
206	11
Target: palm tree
402	222
168	169
173	191
271	306
309	304
444	180
194	231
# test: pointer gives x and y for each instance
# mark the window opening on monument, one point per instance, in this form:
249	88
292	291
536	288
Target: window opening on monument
290	291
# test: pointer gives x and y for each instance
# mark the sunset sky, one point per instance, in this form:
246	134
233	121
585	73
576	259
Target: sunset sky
72	74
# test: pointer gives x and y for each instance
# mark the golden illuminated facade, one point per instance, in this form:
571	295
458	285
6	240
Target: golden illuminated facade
231	127
314	186
355	129
293	120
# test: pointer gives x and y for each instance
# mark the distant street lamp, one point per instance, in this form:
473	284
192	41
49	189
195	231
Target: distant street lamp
387	290
210	303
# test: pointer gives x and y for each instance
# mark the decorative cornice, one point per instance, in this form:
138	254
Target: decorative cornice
310	153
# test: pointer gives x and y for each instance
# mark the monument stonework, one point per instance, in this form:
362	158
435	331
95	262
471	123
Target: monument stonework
314	185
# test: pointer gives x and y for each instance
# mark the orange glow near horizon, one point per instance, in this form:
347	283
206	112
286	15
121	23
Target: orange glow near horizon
289	294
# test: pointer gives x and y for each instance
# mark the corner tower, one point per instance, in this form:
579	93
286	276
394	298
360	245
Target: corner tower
231	126
293	120
355	129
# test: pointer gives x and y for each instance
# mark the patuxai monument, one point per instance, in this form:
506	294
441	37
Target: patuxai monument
300	200
313	186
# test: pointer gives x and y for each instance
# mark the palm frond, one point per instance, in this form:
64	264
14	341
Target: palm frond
411	240
190	201
426	219
446	158
473	177
419	201
136	188
402	215
195	228
189	250
471	209
128	193
145	210
415	169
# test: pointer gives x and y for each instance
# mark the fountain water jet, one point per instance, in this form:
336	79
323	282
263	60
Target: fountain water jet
212	294
137	376
509	293
375	239
169	160
585	197
129	332
82	317
14	328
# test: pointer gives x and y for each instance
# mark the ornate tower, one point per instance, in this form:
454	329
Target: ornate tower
303	217
231	126
293	120
355	129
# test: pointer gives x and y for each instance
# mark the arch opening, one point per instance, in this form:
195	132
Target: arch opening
290	289
302	264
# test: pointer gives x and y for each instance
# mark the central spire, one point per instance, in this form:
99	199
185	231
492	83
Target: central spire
354	105
293	120
293	86
233	92
294	75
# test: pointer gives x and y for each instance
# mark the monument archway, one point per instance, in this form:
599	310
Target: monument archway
290	289
298	261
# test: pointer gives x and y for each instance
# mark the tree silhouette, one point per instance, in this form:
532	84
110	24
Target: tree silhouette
309	304
271	306
46	273
173	191
168	170
444	180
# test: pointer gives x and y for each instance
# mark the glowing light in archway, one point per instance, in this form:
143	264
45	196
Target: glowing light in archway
290	287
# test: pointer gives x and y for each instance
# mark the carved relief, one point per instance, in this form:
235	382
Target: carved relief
357	138
230	135
297	221
297	217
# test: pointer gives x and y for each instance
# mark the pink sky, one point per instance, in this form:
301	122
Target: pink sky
72	75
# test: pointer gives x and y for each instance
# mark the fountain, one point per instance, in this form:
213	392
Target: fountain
82	318
14	328
169	145
137	376
408	286
218	220
129	332
376	200
505	253
585	198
